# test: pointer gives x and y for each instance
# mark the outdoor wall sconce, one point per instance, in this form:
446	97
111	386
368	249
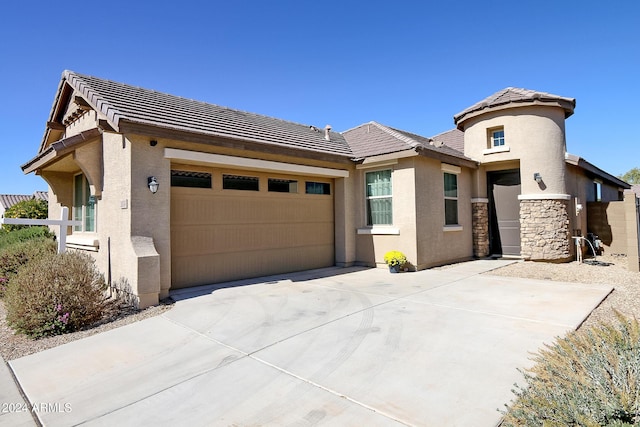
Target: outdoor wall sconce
537	177
153	185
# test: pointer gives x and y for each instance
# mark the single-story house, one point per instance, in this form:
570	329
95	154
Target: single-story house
8	200
174	192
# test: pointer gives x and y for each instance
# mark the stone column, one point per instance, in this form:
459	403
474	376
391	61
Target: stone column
480	227
544	229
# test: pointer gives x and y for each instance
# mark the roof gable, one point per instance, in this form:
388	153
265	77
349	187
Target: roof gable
516	97
119	104
373	139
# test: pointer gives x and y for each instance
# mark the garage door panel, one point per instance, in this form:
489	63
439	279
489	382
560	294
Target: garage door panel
228	234
215	209
206	239
196	270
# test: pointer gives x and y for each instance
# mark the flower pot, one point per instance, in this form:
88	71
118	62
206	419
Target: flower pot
394	268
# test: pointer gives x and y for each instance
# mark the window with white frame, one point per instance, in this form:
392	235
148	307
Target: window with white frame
450	199
84	206
497	137
379	197
597	190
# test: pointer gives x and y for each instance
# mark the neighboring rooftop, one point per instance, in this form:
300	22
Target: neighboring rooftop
8	200
514	95
121	103
636	189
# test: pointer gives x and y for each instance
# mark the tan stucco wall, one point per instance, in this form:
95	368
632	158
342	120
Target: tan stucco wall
435	245
418	216
370	248
535	136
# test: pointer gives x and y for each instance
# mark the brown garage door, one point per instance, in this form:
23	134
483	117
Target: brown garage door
258	225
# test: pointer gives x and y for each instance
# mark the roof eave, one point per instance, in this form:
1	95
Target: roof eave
568	105
58	149
447	158
590	167
156	131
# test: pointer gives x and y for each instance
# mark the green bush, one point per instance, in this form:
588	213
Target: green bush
589	378
8	239
55	294
33	208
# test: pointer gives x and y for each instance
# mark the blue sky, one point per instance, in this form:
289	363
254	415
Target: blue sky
411	64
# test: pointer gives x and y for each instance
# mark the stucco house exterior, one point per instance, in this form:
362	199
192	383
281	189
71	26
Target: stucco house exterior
243	195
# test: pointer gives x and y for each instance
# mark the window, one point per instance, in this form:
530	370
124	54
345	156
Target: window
84	204
597	190
237	182
497	137
283	185
318	187
190	179
450	199
379	198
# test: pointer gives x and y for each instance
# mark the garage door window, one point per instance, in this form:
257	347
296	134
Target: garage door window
283	185
239	182
190	179
318	188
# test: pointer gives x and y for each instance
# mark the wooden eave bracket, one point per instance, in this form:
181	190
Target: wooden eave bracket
55	126
81	103
105	126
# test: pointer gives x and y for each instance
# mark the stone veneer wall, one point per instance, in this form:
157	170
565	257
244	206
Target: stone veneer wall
544	230
480	229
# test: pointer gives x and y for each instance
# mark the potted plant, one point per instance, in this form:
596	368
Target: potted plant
395	260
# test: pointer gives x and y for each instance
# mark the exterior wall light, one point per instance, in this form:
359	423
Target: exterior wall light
153	185
537	177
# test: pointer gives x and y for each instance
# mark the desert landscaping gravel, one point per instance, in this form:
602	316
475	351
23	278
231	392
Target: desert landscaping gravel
608	270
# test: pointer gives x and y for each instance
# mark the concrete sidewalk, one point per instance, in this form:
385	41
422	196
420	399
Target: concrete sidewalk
324	347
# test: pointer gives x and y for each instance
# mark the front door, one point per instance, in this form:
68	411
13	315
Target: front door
504	223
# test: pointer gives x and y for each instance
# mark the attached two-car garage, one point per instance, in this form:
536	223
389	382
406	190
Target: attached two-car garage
229	224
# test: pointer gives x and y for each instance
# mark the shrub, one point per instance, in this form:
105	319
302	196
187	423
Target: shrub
55	294
589	378
33	208
11	238
13	257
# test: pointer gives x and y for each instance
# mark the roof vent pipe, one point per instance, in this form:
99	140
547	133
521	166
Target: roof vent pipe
327	128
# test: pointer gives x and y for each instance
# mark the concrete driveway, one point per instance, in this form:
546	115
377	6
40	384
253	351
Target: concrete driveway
346	347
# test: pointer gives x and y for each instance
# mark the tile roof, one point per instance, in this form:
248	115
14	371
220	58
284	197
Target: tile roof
514	95
121	103
453	138
372	139
636	189
8	200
